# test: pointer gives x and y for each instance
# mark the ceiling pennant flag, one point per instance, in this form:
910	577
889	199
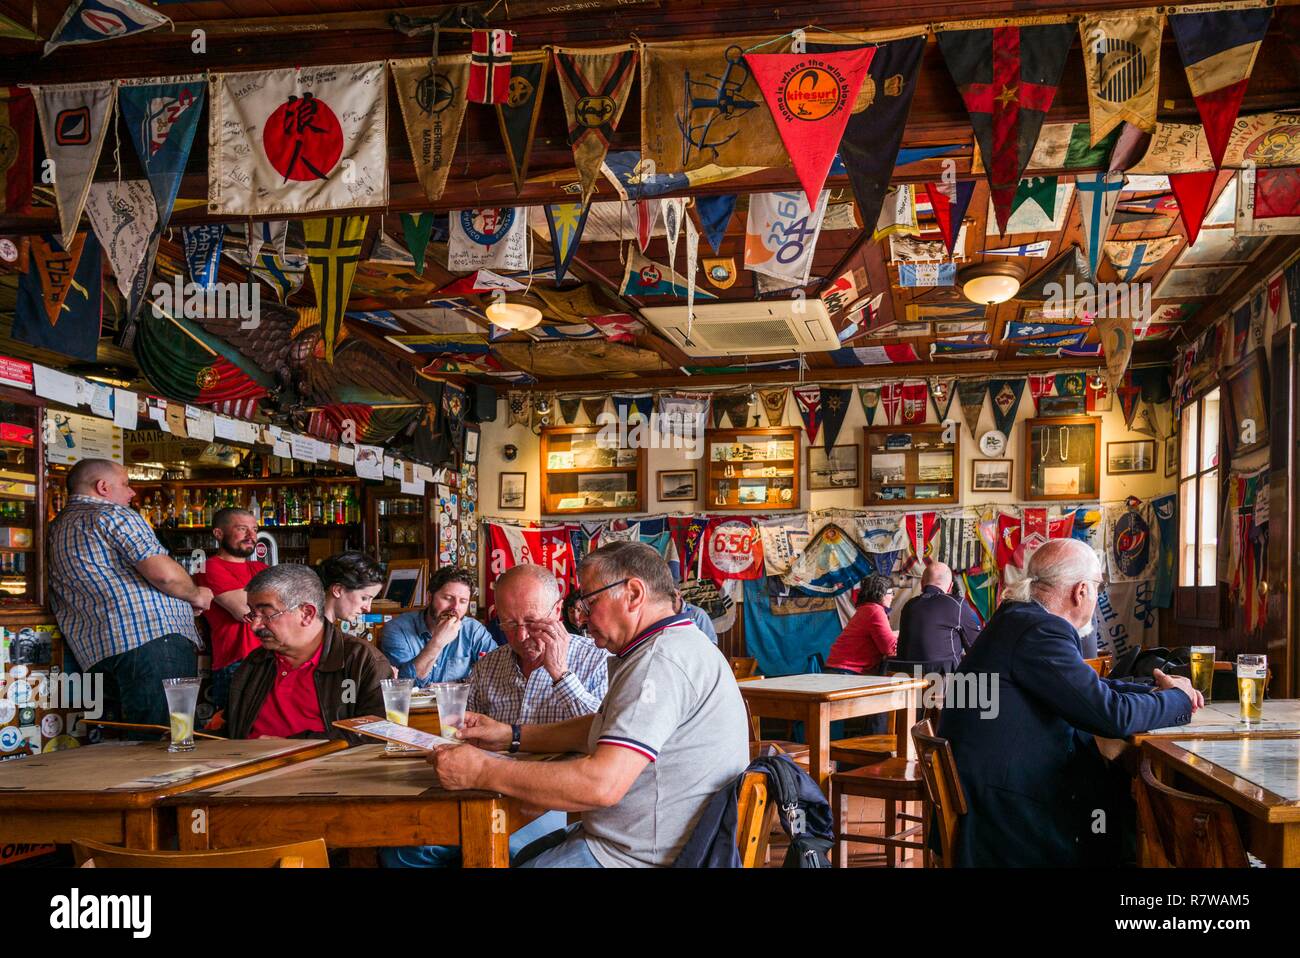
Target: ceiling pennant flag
808	399
74	120
1037	250
1005	394
595	85
55	271
1070	266
941	394
1116	333
970	393
1098	194
125	220
1268	202
17	138
1007	76
634	406
715	213
1070	384
568	410
692	264
869	396
517	114
898	213
645	214
1040	385
565	222
736	408
674	211
1193	191
912	395
835	403
891	400
1128	402
11	30
161	116
781	234
811	96
416	229
71	282
1121	64
273	233
1133	259
1218	51
774	401
617	327
593	407
642	277
488	237
202	246
720	271
433	103
333	251
1098	394
869	147
1039	190
284	274
90	21
489	67
949	202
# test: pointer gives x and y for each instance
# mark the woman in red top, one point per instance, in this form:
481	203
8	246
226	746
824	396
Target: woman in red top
867	640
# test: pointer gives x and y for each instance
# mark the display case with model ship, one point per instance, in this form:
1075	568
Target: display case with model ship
584	470
911	466
752	469
1062	460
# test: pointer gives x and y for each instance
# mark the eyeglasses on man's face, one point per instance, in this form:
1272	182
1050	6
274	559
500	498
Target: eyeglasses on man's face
583	602
253	616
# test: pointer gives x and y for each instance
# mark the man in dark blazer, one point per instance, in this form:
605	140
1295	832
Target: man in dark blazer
936	626
1038	791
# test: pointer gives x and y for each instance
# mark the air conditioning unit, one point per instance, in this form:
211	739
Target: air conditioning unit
747	329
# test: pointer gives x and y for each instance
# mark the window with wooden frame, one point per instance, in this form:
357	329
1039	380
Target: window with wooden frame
1199	487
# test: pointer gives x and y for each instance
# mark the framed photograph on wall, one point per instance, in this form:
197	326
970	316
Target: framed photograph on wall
838	470
991	475
1171	456
1062	458
1130	457
677	485
512	491
1246	385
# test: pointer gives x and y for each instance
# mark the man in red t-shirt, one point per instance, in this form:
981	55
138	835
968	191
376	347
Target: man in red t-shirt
227	573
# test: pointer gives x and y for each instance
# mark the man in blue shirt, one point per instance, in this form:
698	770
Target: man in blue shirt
440	643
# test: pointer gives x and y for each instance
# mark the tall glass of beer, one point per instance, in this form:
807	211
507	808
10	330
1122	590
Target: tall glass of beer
1252	672
1203	669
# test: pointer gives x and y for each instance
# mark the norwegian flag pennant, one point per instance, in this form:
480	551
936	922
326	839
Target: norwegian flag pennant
891	397
489	66
1040	385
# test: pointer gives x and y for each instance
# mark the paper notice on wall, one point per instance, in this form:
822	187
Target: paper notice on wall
303	448
99	397
199	423
324	451
56	386
280	447
413	488
391	467
347	455
223	427
126	409
424	473
247	432
175	417
73	437
15	372
369	463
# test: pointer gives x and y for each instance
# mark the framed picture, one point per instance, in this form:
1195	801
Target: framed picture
404	585
1171	456
471	445
1062	405
677	485
991	475
625	500
838	470
1062	458
1130	456
1247	386
512	491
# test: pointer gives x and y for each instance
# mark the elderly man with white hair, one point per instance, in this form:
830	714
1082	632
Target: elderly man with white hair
1038	791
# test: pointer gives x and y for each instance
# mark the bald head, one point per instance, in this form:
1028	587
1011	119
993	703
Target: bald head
101	478
527	600
1064	576
528	580
938	575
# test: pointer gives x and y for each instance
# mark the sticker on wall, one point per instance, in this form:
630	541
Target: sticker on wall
10	738
61	742
7	711
51	725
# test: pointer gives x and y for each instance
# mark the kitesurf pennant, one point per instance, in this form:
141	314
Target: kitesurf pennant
1121	62
1005	394
333	251
203	252
60	297
1218	51
811	96
74	120
950	201
941	394
565	222
1098	194
595	85
1007	76
1193	191
433	103
90	21
809	401
715	213
161	116
489	72
835	404
517	114
17	135
1133	259
970	393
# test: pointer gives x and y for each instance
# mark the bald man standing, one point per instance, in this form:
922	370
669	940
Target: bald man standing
936	627
124	606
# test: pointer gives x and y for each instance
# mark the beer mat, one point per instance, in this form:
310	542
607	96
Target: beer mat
375	727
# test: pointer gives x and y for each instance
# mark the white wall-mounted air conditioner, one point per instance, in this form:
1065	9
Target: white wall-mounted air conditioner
747	329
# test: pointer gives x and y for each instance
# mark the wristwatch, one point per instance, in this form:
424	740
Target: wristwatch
563	675
516	732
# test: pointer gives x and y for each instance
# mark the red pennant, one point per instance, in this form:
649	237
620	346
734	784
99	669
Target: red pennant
891	397
647	213
1039	386
1193	191
809	400
1008	539
950	207
1062	527
1128	403
811	96
913	397
1277	193
1097	390
1218	114
1035	528
491	52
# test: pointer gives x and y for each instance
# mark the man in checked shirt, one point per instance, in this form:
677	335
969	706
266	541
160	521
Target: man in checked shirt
542	675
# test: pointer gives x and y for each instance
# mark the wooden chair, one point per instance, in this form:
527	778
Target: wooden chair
309	854
755	818
1098	666
943	792
1182	830
867	749
895	781
743	668
761	746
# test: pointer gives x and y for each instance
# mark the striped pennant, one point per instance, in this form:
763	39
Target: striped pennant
333	251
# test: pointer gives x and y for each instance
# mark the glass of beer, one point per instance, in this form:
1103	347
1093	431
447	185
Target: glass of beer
452	697
397	706
1203	669
182	697
1252	673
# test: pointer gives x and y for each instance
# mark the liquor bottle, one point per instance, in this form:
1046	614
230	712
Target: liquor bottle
295	508
340	507
318	506
351	508
146	509
255	508
267	509
281	508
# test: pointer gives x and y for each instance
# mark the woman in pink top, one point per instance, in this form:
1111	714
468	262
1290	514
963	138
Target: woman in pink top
867	640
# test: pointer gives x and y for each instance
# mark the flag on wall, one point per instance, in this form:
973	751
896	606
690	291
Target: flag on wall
869	396
1040	385
161	117
891	400
642	277
715	213
488	237
941	395
594	84
1193	192
125	221
489	72
1133	259
835	404
433	103
333	251
1005	394
17	137
774	401
60	297
970	393
74	120
912	396
517	114
90	21
1121	63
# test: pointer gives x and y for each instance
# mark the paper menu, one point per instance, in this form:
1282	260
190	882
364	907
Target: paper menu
375	727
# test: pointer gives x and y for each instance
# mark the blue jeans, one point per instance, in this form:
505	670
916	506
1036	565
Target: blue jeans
560	849
133	680
448	856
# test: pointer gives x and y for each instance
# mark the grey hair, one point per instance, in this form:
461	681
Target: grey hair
294	584
1058	564
630	560
539	575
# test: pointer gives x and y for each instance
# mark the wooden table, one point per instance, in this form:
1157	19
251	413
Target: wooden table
112	792
1222	720
352	799
1258	775
818	699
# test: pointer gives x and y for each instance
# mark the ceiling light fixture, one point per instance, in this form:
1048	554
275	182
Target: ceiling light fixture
990	283
514	315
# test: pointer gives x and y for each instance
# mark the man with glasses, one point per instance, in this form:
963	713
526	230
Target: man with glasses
1021	714
670	733
307	674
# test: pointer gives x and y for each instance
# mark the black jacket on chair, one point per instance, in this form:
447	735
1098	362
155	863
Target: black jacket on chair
1034	780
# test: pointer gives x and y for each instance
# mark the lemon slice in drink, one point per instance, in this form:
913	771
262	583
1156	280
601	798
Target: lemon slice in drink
396	717
182	726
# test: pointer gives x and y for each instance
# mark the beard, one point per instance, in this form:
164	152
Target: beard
237	549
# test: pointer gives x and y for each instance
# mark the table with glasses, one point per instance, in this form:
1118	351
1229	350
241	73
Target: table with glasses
113	792
818	699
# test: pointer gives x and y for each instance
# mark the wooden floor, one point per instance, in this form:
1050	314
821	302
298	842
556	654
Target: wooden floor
864	818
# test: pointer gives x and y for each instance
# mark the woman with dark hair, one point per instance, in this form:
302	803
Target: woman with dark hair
351	580
867	640
573	618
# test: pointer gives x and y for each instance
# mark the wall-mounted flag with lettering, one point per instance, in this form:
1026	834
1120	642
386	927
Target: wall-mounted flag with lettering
90	21
1007	76
60	297
333	251
643	277
491	54
1037	250
74	120
1133	259
162	115
1121	62
950	202
912	275
781	234
17	136
433	103
203	252
298	140
565	222
595	84
492	237
517	114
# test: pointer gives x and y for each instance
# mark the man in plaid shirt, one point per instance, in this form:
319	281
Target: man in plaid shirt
124	606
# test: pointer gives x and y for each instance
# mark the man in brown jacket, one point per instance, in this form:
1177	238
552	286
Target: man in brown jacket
307	674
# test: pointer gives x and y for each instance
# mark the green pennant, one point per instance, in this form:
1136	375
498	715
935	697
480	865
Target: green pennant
1040	189
416	227
1081	154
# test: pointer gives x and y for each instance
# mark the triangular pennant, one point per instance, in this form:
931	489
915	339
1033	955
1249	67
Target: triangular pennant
715	213
73	284
416	228
949	202
56	270
433	103
1128	403
1007	76
674	211
941	395
593	408
1098	194
736	408
835	403
1039	190
645	216
490	59
891	400
1040	385
90	21
74	120
811	96
17	139
1133	259
1005	394
283	275
809	400
869	396
692	264
781	232
565	221
1121	63
595	85
774	401
913	403
518	114
1116	334
125	220
1193	191
568	410
633	407
1071	266
333	251
203	252
273	233
519	409
643	277
161	117
970	393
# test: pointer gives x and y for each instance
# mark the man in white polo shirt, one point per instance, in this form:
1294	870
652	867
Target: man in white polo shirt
670	733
